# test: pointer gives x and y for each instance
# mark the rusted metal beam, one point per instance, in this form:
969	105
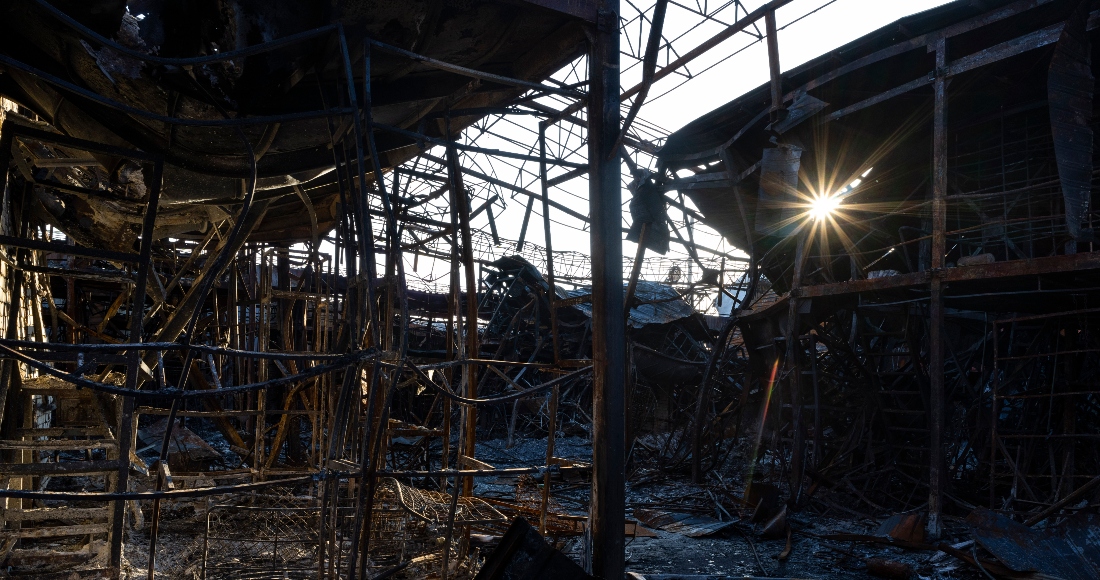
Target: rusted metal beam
608	504
97	466
59	248
472	73
635	270
649	67
773	62
567	176
526	221
583	9
921	41
793	367
743	23
474	148
1013	269
511	187
544	504
1016	46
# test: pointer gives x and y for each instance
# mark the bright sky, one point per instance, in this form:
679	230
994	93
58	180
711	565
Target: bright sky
808	28
674	103
836	24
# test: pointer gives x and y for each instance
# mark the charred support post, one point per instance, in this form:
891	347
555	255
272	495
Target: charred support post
635	271
545	504
526	220
7	367
794	368
462	202
935	335
773	63
607	508
373	447
126	417
552	296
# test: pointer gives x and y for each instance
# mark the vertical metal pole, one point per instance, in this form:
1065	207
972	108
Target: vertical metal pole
995	413
607	508
794	368
7	366
462	203
552	296
375	428
635	271
452	342
817	401
526	220
935	335
125	421
773	62
549	457
361	206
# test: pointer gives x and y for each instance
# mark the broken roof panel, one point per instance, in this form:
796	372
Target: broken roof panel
1069	550
656	303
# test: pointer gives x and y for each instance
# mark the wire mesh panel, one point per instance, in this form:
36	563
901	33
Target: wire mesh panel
434	507
389	532
1044	404
271	535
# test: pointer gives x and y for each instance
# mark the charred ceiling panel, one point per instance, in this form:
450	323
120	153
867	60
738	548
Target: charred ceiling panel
110	72
778	205
1070	88
648	211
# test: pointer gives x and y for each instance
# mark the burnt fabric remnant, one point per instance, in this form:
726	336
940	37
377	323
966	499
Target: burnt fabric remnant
522	553
1071	87
284	292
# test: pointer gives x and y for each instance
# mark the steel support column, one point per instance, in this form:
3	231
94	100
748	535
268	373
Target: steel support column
607	507
935	334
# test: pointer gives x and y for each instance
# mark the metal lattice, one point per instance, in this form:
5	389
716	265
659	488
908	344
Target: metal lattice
274	533
433	506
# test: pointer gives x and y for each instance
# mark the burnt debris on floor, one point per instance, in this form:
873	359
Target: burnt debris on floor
260	319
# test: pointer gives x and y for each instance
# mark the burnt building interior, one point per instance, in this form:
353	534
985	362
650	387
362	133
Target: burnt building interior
260	317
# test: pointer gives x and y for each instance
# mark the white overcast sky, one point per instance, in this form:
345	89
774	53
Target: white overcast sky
834	25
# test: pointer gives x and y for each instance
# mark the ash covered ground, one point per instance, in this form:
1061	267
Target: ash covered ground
736	551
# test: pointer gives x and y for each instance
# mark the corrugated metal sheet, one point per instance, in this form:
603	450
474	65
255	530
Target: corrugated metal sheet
1069	550
657	304
686	524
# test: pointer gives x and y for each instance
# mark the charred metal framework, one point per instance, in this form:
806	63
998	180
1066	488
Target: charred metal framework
295	355
933	344
152	195
301	279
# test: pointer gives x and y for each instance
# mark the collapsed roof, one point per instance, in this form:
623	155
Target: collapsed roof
864	112
193	83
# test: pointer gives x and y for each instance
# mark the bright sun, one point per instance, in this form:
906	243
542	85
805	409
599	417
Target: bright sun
822	206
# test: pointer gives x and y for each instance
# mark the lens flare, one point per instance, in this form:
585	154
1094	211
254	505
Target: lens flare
823	206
